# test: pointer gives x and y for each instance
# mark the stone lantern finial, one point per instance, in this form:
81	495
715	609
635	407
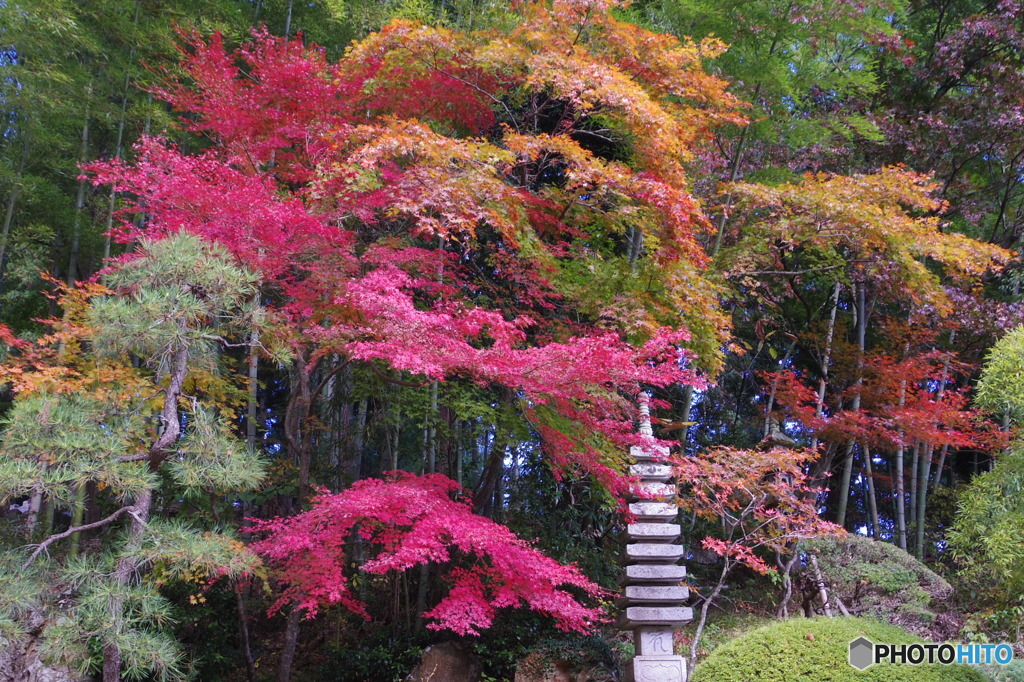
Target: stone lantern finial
645	414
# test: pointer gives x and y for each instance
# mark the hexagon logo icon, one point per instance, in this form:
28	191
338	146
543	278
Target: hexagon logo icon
862	653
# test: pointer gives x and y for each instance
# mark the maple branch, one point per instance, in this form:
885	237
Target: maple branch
597	134
470	84
330	375
583	26
228	344
76	529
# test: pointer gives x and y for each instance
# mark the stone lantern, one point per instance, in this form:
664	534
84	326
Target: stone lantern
652	600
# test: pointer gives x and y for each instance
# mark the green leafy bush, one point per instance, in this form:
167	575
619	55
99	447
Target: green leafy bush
880	580
1014	672
818	649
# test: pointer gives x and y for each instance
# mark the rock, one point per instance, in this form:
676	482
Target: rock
447	662
20	662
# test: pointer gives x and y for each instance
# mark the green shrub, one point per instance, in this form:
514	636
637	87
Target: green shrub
880	580
1014	672
818	650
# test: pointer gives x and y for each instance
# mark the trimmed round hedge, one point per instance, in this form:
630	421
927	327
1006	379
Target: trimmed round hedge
818	649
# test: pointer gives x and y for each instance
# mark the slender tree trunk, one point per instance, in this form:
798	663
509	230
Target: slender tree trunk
684	414
734	173
922	500
872	500
844	489
300	406
782	611
915	466
356	461
483	496
35	505
926	463
12	201
432	430
76	230
459	452
703	618
300	402
819	405
937	480
243	633
775	386
288	21
120	135
253	385
636	245
900	484
77	514
398	436
430	467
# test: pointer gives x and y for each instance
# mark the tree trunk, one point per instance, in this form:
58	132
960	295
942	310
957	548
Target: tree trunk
820	584
942	464
288	21
819	405
12	201
300	403
429	468
291	639
432	430
782	611
397	440
158	452
775	386
922	488
358	438
77	515
243	634
76	230
684	413
872	500
922	500
915	466
844	486
900	484
494	469
252	389
300	406
459	454
703	619
120	135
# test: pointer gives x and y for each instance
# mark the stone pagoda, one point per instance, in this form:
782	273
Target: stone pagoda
653	598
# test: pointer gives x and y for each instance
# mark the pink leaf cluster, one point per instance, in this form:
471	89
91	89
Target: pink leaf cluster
411	520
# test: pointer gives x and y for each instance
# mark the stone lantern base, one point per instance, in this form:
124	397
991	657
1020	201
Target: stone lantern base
656	669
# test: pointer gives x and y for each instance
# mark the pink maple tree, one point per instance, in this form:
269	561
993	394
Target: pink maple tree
411	520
